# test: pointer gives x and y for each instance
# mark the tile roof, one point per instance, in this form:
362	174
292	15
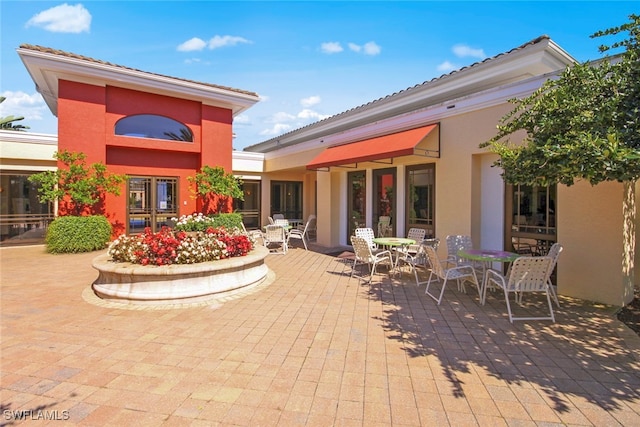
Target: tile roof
404	91
58	52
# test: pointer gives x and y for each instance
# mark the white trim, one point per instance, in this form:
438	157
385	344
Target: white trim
427	115
503	71
47	68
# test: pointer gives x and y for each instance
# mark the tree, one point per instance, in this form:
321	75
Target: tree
216	188
79	187
6	123
582	125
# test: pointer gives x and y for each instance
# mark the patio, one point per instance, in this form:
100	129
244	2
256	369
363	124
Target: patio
312	347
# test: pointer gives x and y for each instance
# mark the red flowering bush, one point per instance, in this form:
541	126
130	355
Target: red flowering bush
177	247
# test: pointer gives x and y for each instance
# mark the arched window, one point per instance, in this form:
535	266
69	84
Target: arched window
153	126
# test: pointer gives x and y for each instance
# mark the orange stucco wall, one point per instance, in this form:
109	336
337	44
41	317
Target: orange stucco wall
87	115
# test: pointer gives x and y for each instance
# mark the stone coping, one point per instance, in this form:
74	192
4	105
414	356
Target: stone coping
104	263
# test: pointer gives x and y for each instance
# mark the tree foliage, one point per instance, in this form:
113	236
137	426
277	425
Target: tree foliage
216	187
214	180
582	125
7	123
82	187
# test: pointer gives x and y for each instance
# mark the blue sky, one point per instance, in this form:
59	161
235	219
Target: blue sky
307	60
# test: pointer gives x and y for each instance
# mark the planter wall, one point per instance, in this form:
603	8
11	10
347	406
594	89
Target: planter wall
138	284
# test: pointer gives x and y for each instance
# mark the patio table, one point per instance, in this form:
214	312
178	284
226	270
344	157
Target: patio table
394	242
487	257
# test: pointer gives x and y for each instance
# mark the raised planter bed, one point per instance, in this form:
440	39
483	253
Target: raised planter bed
178	283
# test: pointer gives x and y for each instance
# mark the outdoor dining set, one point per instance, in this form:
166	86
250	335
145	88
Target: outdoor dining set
514	273
464	264
279	232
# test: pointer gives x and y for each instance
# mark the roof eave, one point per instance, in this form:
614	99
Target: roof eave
539	57
47	68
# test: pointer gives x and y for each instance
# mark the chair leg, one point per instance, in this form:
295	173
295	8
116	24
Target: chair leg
553	318
444	285
506	297
415	273
439	298
554	294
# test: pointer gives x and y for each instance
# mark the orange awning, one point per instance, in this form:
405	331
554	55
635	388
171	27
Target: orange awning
382	147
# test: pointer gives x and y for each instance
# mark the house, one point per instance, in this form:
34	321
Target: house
156	129
413	155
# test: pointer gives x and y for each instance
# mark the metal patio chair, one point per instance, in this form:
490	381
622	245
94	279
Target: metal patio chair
527	274
459	273
303	234
275	234
364	255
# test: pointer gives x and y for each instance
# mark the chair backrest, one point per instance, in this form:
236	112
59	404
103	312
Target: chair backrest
434	261
554	252
434	243
361	249
274	233
310	224
367	234
455	242
278	216
281	221
529	273
384	225
417	234
271	221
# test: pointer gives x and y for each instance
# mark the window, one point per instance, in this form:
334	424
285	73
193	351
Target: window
249	208
153	126
357	202
530	218
384	196
421	198
23	219
286	198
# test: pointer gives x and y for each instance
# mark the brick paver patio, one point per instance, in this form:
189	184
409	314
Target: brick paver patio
313	347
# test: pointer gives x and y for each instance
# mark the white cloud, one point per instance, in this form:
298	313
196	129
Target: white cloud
308	115
242	119
310	101
277	129
192	44
371	48
280	116
447	66
461	51
63	19
195	61
221	41
196	43
31	107
331	47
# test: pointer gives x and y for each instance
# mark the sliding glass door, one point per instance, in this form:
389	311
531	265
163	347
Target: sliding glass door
357	201
421	198
152	203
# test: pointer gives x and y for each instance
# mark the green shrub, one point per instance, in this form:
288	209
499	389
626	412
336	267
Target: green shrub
71	234
228	220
